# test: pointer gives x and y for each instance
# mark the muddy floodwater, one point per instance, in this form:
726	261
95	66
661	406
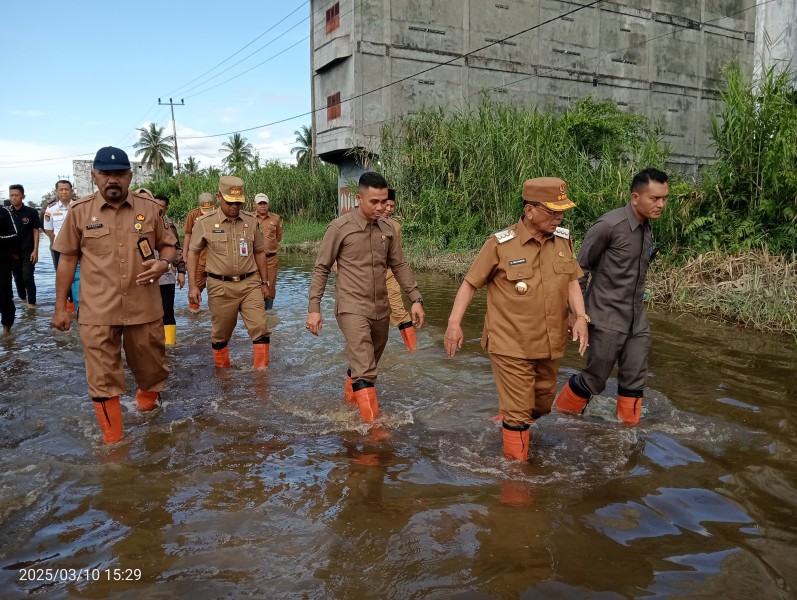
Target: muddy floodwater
266	485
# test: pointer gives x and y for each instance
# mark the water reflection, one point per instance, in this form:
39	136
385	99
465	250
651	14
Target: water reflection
266	484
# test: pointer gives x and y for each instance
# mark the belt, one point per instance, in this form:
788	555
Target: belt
233	278
270	254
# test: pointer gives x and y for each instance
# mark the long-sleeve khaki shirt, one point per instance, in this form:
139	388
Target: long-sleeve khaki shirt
364	251
105	238
615	256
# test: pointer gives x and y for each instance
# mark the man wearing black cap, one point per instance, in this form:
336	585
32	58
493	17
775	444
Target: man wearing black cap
114	233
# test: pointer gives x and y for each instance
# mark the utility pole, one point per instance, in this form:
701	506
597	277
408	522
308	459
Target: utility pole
174	135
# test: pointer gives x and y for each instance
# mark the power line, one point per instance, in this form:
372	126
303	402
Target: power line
173	92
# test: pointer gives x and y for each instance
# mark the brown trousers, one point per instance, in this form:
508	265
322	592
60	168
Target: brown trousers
526	387
271	264
227	298
398	313
365	341
145	353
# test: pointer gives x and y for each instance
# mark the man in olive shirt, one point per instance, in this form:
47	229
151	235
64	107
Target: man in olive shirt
615	257
236	272
531	278
364	246
271	226
114	234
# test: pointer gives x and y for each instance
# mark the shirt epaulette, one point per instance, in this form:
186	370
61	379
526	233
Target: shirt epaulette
88	198
210	214
53	203
505	235
562	233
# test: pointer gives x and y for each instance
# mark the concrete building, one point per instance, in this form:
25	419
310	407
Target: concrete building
662	58
81	177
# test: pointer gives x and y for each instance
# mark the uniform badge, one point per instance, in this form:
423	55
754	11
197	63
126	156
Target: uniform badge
46	216
139	217
562	254
137	226
562	233
25	220
521	287
93	219
505	235
216	225
246	225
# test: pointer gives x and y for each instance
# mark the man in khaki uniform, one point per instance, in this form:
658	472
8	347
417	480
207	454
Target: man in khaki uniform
399	316
236	271
271	226
531	277
365	246
206	204
114	234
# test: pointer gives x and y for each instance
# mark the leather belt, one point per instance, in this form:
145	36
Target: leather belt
270	254
233	278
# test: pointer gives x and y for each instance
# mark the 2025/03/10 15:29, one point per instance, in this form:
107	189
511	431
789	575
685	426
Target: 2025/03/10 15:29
61	575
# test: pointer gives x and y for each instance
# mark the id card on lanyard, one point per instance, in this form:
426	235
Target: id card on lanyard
243	245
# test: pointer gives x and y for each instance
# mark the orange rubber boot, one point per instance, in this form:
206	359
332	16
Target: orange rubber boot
194	308
70	306
629	409
569	401
221	357
408	335
348	392
109	418
146	400
261	354
516	442
365	397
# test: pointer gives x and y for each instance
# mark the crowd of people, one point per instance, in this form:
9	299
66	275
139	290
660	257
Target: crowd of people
130	261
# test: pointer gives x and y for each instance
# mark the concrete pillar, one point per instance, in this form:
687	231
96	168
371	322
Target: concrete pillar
775	35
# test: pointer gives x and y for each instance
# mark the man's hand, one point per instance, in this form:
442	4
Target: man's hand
264	289
61	319
314	322
418	314
34	258
194	294
453	339
155	268
181	280
580	333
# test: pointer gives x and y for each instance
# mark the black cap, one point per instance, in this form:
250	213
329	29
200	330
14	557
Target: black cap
391	194
111	159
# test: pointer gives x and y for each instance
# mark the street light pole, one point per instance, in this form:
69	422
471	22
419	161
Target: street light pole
172	104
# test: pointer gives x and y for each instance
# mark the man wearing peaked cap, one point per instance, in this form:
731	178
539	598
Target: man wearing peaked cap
271	226
236	270
531	278
615	257
207	203
114	233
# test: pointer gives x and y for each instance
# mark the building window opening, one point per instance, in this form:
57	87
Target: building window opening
333	106
333	17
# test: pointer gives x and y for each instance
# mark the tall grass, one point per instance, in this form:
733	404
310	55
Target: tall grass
294	193
459	175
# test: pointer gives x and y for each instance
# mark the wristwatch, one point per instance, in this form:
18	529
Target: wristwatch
584	316
167	261
419	300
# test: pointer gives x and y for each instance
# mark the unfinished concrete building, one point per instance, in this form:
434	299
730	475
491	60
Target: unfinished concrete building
662	58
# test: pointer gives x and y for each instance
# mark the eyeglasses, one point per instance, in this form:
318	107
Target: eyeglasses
551	214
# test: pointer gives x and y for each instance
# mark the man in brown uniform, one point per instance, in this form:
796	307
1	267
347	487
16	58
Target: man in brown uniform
398	314
271	226
364	246
114	234
531	277
206	204
236	270
614	257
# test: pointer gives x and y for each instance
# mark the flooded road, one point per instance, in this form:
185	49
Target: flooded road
265	485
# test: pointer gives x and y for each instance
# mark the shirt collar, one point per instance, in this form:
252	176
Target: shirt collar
359	219
633	222
115	206
524	235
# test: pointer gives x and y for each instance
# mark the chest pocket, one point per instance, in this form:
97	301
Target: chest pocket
220	243
271	231
97	241
564	266
518	272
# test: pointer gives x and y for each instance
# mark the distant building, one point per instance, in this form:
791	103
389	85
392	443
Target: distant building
81	171
661	58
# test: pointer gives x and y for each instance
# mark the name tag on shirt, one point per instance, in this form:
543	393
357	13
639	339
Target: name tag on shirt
218	231
518	261
94	226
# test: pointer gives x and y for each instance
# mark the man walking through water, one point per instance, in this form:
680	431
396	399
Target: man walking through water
365	246
615	257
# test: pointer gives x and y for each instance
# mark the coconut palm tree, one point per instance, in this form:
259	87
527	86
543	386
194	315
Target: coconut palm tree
240	153
304	151
154	146
191	166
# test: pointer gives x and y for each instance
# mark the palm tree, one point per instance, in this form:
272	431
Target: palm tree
191	166
239	153
155	147
304	151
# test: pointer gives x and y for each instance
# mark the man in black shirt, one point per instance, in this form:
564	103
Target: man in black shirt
28	225
8	249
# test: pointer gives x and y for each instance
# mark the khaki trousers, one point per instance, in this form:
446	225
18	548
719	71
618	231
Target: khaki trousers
271	264
526	387
398	313
227	298
365	341
145	353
